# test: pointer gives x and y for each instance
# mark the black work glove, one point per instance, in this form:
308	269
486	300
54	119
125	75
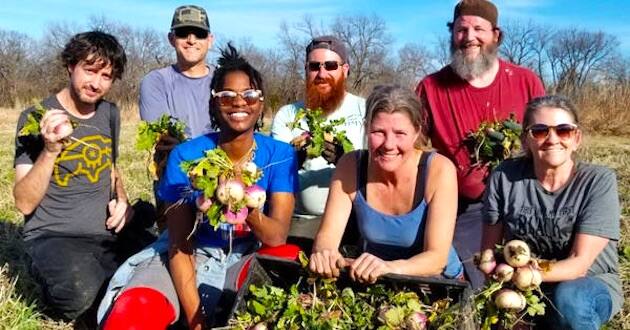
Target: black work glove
301	156
332	152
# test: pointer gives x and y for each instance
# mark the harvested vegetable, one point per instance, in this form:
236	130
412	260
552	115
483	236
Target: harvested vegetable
149	134
494	142
318	132
228	186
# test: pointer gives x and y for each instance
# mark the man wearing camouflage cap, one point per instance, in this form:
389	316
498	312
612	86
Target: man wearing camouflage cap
327	69
182	90
475	87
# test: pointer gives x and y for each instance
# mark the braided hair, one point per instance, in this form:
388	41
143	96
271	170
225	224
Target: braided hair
231	61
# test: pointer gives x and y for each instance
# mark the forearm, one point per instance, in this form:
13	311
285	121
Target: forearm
29	190
119	187
181	266
565	270
269	231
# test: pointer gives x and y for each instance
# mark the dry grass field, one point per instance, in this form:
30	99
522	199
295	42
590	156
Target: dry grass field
19	308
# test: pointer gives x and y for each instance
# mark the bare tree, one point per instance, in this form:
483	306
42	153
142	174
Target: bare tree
368	45
414	62
518	42
575	54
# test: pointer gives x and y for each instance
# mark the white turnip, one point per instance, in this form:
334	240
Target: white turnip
510	300
250	168
259	326
527	278
487	261
230	191
503	272
416	321
236	218
255	197
63	130
516	253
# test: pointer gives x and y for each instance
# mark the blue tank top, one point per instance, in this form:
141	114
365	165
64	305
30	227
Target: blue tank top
392	237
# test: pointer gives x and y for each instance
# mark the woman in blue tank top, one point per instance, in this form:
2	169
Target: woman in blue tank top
404	198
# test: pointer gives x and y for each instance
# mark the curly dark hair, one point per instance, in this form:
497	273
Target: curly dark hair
231	61
94	46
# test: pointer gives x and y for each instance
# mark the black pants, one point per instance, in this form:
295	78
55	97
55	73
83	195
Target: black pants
72	271
467	240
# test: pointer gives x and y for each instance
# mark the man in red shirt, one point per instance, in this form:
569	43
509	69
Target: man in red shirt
475	87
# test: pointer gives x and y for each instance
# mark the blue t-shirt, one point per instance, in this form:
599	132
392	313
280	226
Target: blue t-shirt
168	91
276	159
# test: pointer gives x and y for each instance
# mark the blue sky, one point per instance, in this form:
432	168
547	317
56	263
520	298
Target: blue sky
408	21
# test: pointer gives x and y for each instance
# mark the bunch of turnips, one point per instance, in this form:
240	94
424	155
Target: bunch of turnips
228	190
318	132
149	134
513	287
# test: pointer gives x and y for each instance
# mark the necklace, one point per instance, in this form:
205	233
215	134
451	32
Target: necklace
247	157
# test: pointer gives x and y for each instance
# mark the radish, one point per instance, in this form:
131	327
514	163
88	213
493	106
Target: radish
416	321
203	204
64	129
516	253
486	261
510	299
230	191
250	168
527	278
503	272
236	218
255	197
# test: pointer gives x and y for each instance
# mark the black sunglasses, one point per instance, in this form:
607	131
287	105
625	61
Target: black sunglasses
183	33
227	98
542	131
328	65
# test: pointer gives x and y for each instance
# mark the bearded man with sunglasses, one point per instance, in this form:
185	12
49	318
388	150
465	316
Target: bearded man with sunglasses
327	69
182	90
475	87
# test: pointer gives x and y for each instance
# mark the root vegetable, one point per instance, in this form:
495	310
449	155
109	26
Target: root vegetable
64	129
516	253
250	168
236	218
510	300
503	272
231	191
259	326
487	261
527	278
255	197
416	321
203	204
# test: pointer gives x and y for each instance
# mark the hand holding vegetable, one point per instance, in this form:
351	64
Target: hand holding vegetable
332	151
55	128
159	138
120	213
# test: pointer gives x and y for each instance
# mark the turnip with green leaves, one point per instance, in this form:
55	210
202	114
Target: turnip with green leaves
503	272
510	300
516	253
255	197
527	278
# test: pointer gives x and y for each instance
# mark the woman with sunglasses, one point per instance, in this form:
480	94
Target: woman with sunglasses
565	210
404	197
199	264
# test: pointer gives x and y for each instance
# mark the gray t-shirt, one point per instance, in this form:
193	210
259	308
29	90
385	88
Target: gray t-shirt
75	203
548	221
168	91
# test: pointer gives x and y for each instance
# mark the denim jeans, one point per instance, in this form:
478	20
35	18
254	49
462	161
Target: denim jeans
583	304
71	271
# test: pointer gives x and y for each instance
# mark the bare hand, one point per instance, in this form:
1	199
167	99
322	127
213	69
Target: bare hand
327	263
166	143
120	214
55	126
367	268
332	152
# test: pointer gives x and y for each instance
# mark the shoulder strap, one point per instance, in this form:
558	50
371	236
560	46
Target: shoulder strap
421	178
114	131
362	172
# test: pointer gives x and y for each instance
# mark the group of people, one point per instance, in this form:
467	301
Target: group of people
416	211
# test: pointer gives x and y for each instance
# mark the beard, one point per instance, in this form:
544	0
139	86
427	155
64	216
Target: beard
473	68
329	101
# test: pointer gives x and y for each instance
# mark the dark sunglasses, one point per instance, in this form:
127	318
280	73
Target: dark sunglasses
541	131
328	65
183	33
227	98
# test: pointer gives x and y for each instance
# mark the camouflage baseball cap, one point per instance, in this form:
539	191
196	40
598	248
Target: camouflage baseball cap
190	15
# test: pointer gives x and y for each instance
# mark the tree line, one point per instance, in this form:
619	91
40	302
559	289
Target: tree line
569	60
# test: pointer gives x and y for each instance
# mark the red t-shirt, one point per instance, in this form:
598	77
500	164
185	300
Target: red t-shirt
455	108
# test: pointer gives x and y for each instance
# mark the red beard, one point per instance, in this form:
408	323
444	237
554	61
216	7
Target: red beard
330	101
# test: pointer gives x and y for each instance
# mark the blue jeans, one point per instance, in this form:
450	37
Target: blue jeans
583	304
